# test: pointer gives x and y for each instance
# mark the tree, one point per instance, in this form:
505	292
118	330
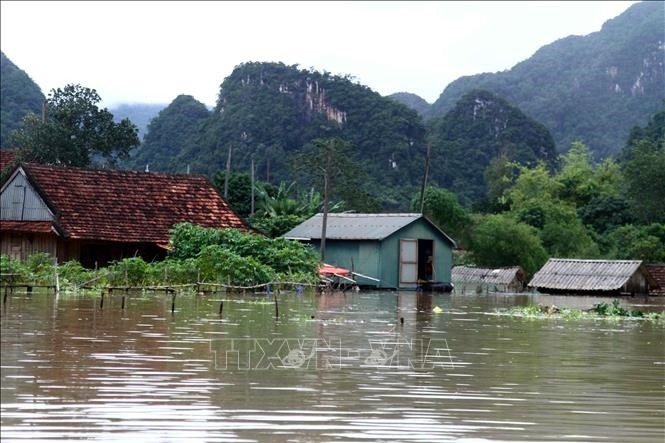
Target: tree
639	242
498	240
645	179
74	130
240	191
443	208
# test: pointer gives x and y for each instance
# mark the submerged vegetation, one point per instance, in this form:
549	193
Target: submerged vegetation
611	311
197	255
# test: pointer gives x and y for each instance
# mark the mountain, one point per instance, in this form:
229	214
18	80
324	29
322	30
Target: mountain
592	88
480	128
271	112
413	101
173	129
138	113
18	96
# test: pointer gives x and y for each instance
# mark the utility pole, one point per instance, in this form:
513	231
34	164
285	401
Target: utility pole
252	175
424	186
228	173
326	196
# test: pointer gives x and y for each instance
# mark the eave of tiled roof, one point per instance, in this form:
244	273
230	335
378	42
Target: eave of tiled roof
35	227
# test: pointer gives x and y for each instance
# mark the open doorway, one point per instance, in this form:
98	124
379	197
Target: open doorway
426	260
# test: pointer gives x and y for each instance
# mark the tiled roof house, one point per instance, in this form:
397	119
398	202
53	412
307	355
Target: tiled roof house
96	216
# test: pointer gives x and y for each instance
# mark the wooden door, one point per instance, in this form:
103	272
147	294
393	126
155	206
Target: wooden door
408	262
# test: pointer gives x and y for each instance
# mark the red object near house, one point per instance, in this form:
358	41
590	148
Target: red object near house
328	270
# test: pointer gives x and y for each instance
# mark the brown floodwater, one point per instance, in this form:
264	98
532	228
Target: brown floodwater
369	366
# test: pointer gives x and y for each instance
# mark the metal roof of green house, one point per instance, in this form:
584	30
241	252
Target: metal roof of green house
357	226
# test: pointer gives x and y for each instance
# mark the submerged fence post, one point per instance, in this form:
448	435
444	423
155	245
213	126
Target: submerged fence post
221	307
101	302
173	301
276	307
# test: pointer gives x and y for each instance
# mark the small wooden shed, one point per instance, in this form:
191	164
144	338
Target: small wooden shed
400	250
98	215
601	277
657	273
507	279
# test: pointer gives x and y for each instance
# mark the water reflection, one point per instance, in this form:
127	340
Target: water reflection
73	371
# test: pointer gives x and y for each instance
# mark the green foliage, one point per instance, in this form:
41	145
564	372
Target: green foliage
614	310
239	191
281	255
605	213
585	87
75	130
19	96
480	129
132	271
498	240
220	264
645	243
13	269
72	273
645	177
442	207
331	160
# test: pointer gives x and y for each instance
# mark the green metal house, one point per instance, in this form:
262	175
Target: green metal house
401	251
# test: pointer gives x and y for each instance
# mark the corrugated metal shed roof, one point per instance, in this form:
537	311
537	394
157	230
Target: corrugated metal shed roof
498	276
585	275
356	226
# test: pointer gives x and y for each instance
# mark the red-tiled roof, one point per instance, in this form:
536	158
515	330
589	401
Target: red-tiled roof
39	227
7	157
128	206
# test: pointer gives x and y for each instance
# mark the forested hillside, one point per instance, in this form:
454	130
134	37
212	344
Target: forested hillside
483	128
19	95
271	112
413	101
592	88
174	128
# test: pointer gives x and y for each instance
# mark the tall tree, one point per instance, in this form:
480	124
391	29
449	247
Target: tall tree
73	130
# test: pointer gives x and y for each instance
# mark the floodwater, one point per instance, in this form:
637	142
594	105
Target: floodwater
369	366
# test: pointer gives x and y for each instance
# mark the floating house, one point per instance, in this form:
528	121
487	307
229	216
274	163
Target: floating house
96	216
398	251
601	277
511	279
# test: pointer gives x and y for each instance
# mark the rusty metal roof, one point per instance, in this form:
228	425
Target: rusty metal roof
356	226
497	276
585	275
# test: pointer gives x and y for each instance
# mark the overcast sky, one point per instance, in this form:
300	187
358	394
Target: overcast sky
149	52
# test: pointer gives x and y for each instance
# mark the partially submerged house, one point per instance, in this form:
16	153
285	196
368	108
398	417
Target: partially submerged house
397	250
602	277
508	279
657	273
96	216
